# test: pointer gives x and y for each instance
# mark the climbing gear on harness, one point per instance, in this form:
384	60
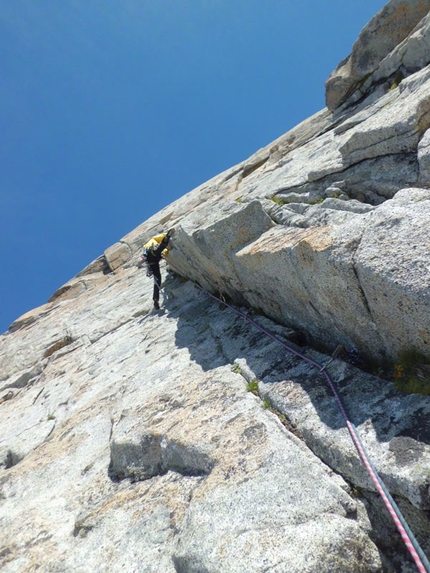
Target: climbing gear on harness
145	262
336	353
154	250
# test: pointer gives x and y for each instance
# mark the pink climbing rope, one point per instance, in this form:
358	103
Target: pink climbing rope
408	537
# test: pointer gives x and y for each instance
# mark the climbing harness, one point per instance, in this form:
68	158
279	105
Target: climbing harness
420	559
145	262
335	355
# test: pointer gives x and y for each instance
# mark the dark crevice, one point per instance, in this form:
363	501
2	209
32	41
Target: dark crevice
363	295
231	175
58	345
8	396
188	564
27	378
251	167
9	459
82	529
390	82
314	308
348	173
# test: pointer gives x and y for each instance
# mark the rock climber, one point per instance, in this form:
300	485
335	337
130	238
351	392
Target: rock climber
153	251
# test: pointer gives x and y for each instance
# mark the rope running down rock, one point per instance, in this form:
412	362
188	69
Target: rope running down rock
420	559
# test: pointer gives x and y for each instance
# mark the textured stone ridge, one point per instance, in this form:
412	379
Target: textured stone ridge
137	446
182	440
391	46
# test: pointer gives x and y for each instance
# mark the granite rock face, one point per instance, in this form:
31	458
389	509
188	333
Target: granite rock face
346	204
185	441
136	446
343	282
391	46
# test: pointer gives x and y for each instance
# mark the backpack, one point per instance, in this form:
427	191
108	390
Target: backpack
147	251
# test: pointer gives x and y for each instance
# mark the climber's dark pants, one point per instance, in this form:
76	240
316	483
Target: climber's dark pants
154	258
155	267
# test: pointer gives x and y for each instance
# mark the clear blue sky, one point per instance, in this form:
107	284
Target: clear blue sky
112	109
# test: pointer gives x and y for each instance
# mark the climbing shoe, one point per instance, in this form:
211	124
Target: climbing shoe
156	304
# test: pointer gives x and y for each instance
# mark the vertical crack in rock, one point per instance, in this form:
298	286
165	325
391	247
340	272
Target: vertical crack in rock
262	500
363	294
359	285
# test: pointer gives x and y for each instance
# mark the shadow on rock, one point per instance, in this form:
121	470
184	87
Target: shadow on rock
215	336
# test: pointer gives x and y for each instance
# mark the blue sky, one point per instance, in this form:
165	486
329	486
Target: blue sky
112	109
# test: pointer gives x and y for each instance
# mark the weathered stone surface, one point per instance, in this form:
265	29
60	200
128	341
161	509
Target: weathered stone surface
395	129
128	439
375	44
155	399
99	265
339	85
384	32
221	475
117	255
362	279
78	285
424	160
30	316
205	248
